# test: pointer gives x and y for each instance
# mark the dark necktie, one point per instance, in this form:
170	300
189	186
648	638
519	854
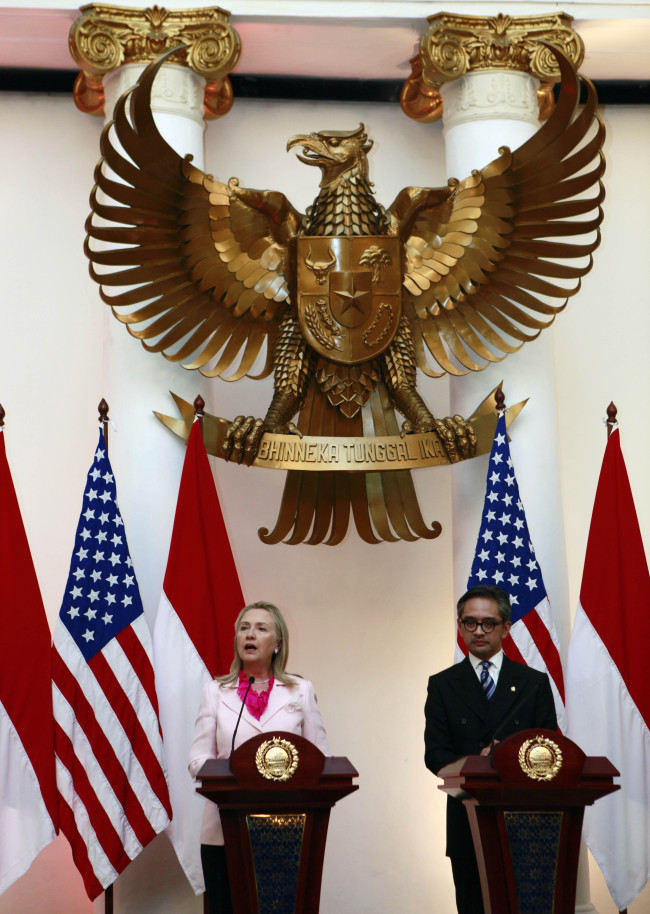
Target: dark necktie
488	684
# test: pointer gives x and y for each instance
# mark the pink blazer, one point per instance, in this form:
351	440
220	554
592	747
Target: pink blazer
290	708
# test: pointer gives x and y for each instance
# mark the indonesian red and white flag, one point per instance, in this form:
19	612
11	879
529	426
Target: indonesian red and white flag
193	637
110	768
28	809
608	697
505	556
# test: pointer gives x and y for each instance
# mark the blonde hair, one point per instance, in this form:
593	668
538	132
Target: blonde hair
278	661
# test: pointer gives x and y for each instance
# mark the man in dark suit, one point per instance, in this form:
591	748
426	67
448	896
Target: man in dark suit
485	695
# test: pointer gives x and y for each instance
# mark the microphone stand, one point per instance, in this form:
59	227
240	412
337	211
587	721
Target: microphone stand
251	680
518	704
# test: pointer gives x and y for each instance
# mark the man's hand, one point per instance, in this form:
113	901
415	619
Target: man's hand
486	750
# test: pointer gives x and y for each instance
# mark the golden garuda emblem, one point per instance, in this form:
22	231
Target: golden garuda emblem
347	300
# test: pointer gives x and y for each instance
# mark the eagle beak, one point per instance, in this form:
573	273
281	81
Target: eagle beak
298	139
314	149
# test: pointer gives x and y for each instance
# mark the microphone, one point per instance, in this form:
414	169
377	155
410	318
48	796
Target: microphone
251	680
517	705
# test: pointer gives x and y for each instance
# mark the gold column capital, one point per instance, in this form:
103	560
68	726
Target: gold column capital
454	45
104	38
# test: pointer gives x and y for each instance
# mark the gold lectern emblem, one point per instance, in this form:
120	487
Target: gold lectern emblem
540	758
277	759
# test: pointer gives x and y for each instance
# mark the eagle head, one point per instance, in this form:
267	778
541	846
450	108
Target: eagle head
336	152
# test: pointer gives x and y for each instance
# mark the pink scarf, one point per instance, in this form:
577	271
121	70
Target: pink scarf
256	702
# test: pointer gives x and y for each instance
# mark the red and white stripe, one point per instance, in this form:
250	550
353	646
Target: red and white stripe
533	641
113	796
28	807
193	637
608	698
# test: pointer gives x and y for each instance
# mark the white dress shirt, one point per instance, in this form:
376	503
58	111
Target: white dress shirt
494	669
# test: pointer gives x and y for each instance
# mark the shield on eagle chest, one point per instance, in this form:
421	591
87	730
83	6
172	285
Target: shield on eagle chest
349	294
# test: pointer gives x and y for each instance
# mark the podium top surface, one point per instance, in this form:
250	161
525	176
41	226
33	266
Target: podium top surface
335	766
278	762
535	760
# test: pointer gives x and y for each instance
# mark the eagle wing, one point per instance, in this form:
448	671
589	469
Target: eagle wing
206	273
491	266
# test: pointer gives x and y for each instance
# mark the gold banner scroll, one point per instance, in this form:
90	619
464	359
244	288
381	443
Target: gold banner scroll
289	452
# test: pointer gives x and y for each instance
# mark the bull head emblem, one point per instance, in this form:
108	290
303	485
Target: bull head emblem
321	268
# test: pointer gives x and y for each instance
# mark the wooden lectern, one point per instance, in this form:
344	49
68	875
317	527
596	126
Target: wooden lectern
525	804
274	794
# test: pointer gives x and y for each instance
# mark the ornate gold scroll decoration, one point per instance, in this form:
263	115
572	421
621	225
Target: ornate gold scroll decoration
540	758
345	302
104	38
362	455
277	759
454	45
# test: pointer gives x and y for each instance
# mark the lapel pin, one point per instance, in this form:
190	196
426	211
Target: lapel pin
513	688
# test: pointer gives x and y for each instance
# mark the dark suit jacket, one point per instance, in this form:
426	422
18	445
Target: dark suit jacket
460	721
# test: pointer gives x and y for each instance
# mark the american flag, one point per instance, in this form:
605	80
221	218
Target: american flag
505	556
110	768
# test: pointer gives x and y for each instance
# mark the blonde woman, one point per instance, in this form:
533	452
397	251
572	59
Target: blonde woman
274	701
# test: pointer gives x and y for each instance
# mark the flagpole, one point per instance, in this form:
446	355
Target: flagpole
199	406
102	409
103	419
611	424
500	399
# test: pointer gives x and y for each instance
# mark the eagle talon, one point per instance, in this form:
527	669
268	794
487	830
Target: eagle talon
243	439
457	437
228	441
455	433
417	428
291	429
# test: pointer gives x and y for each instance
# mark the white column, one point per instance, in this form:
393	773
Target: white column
177	103
146	457
483	111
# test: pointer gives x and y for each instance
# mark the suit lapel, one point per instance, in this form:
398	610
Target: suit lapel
464	682
277	700
232	701
511	685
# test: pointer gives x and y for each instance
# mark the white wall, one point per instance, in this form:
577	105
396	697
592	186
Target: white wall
601	341
368	623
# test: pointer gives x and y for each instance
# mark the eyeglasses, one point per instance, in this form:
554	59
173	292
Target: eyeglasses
487	626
